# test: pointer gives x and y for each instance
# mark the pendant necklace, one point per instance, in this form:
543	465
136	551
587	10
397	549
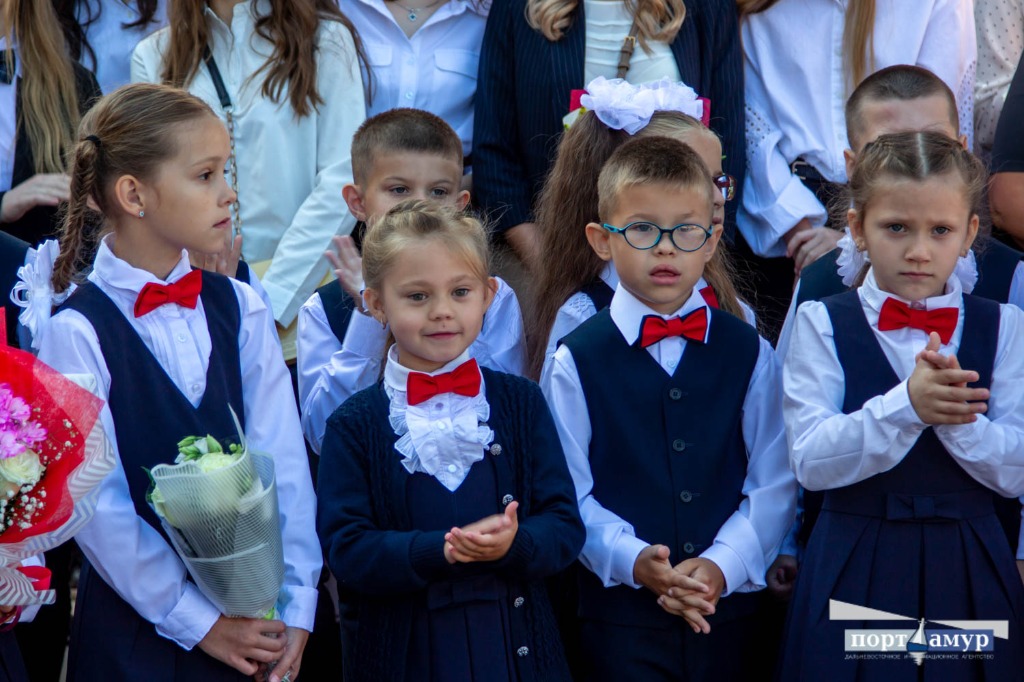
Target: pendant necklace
413	11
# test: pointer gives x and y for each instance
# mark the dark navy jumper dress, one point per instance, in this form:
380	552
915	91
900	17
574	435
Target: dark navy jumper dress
921	540
110	642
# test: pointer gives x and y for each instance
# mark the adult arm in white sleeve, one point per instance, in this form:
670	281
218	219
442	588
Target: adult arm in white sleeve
950	51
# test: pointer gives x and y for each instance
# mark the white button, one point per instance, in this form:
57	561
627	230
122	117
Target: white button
441	426
452	468
672	364
181	338
408	95
438	406
195	388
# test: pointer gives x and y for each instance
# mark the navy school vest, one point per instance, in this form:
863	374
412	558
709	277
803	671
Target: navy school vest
150	414
243	273
338	307
927	469
667	452
599	293
12	257
996	266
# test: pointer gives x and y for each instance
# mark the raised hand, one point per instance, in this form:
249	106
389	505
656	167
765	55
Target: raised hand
938	388
348	267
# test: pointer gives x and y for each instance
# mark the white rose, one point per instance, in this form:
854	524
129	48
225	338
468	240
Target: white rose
215	461
23	469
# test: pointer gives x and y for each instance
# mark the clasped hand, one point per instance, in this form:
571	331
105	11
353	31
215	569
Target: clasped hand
938	388
488	539
690	589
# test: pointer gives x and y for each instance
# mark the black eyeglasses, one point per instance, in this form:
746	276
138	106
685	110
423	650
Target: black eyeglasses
645	235
726	184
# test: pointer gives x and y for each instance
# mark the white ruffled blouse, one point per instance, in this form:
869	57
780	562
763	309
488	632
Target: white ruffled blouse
442	436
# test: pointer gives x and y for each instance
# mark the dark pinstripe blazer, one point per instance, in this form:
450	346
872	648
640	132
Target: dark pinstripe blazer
525	82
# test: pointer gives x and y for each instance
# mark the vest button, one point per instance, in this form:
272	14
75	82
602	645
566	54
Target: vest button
688	548
507	500
678	445
686	496
675	394
523	651
518	602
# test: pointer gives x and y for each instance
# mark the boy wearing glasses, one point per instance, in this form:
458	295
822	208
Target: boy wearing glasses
668	411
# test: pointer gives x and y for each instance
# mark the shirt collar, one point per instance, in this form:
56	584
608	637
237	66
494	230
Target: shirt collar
609	275
874	297
628	312
118	275
396	375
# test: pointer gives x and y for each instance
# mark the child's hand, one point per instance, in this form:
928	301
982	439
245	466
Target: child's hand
348	268
224	263
693	605
940	395
243	643
488	539
291	659
781	576
653	570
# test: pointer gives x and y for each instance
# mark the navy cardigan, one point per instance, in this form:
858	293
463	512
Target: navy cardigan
524	87
381	562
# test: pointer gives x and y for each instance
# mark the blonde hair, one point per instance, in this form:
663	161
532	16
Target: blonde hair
859	41
129	132
657	20
49	110
409	224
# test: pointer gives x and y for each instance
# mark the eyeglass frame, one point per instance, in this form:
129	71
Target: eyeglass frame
662	231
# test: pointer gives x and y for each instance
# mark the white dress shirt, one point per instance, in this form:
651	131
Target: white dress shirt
111	42
331	372
435	69
830	449
796	90
1000	44
128	553
608	24
749	540
444	435
580	308
290	170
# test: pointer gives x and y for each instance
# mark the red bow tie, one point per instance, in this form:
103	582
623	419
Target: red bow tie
184	292
898	315
693	327
464	380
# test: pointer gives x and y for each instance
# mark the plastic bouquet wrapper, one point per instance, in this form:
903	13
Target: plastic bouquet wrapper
53	454
219	509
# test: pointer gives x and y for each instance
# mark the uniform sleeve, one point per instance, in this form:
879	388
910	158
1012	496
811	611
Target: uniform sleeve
500	179
991	449
298	264
551	536
502	342
363	556
950	51
331	372
574	312
272	426
774	200
611	547
830	449
129	554
749	540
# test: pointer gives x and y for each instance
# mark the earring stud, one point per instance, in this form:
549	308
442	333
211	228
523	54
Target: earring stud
142	214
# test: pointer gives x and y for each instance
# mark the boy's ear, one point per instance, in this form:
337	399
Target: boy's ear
851	158
353	196
462	200
600	241
131	195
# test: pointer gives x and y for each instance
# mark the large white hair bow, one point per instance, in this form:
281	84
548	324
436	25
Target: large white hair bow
624	106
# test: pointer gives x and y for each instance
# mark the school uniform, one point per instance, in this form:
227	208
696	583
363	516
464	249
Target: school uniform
680	444
394	478
13	252
908	523
165	374
341	351
999	276
597	296
526	80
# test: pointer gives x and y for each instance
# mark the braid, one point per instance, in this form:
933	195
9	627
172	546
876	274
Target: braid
78	217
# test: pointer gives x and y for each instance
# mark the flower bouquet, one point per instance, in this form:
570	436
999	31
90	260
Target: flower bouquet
219	509
53	453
